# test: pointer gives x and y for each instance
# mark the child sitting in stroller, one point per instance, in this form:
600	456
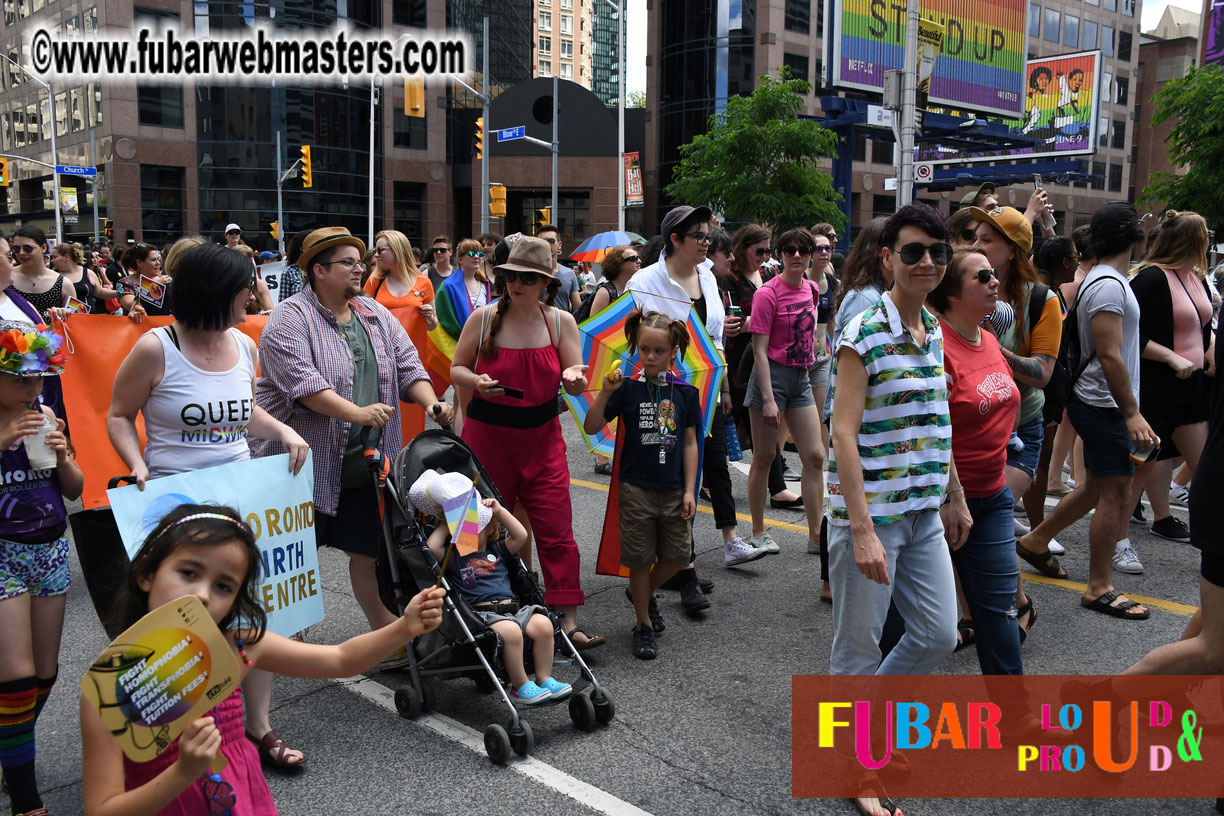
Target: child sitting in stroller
481	578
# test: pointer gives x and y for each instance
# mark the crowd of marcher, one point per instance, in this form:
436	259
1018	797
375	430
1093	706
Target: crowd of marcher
929	385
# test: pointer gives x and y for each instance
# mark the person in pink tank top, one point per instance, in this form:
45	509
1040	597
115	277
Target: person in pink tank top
512	355
1176	358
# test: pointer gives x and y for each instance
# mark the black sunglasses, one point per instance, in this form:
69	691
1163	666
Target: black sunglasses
760	252
984	275
631	259
526	278
913	253
802	251
968	236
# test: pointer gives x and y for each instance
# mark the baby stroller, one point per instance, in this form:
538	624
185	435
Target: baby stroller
463	645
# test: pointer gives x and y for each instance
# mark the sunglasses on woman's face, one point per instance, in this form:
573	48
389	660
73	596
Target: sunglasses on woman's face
475	253
760	252
913	253
984	275
633	259
804	251
23	248
525	278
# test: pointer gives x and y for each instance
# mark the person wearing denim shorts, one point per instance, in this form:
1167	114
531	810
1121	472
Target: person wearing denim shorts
784	340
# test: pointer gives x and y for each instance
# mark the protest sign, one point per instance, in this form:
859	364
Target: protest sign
277	505
165	671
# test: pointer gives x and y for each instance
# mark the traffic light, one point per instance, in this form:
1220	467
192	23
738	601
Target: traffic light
414	96
108	228
543	216
275	231
4	173
497	201
480	137
307	171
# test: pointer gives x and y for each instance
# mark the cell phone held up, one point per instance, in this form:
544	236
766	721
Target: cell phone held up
510	391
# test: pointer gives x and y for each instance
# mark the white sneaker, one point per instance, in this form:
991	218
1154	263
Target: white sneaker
766	543
1126	559
1022	529
738	551
1180	495
1057	548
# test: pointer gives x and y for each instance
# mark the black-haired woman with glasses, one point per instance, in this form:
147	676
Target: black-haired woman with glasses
43	288
783	328
750	248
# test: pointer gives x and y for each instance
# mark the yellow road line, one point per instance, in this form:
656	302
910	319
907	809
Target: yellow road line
1073	586
1155	603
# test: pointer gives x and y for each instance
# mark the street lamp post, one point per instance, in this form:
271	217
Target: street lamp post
620	109
59	227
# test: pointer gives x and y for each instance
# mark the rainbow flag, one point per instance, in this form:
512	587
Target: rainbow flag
452	308
603	342
462	519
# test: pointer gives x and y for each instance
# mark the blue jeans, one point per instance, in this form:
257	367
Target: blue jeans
988	573
921	586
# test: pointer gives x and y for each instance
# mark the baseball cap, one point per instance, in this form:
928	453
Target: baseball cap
683	216
1117	219
969	198
233	228
1009	221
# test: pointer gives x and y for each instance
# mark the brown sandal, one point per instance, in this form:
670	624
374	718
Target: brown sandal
1045	563
273	749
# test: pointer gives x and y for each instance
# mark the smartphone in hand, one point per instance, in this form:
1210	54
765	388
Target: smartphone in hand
516	393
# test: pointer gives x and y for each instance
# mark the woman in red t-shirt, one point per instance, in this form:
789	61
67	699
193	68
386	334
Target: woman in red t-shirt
983	402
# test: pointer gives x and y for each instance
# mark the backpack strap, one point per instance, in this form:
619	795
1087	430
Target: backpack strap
1037	299
1079	294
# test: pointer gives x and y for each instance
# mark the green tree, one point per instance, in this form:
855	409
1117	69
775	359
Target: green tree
635	99
760	161
1195	105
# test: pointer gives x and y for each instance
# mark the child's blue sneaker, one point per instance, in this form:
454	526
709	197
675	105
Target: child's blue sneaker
558	689
531	694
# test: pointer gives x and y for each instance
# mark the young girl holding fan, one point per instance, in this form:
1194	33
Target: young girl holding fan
33	549
658	465
209	552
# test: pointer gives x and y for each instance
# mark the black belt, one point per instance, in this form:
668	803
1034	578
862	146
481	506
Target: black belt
512	416
507	606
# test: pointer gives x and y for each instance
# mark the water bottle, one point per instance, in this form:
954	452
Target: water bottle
734	452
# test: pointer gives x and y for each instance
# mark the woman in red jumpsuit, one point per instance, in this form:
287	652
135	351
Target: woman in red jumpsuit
522	344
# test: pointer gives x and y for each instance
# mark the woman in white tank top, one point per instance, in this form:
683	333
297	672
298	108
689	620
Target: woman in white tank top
194	382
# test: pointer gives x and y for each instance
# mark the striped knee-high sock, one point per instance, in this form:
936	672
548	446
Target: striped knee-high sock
44	691
18	699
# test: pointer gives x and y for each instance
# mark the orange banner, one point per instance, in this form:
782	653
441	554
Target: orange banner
97	345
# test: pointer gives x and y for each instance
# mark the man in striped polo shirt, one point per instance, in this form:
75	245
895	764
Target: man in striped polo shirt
891	476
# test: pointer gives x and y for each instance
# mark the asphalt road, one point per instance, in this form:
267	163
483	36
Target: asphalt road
704	729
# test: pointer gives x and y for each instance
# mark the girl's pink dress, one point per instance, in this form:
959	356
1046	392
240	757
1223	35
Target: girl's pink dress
251	794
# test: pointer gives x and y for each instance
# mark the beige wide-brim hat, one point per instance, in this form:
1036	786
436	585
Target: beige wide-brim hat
324	239
530	254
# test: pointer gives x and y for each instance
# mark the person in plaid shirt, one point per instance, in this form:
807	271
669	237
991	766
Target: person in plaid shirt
334	361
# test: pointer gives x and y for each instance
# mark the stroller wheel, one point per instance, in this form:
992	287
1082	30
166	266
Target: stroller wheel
521	738
497	744
605	710
408	702
582	712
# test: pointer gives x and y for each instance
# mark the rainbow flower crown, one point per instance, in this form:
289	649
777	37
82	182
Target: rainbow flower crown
27	350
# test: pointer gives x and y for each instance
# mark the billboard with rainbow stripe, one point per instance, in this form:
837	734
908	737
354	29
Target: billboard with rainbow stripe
980	65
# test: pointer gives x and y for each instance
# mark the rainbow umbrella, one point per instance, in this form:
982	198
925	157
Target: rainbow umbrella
596	247
603	342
